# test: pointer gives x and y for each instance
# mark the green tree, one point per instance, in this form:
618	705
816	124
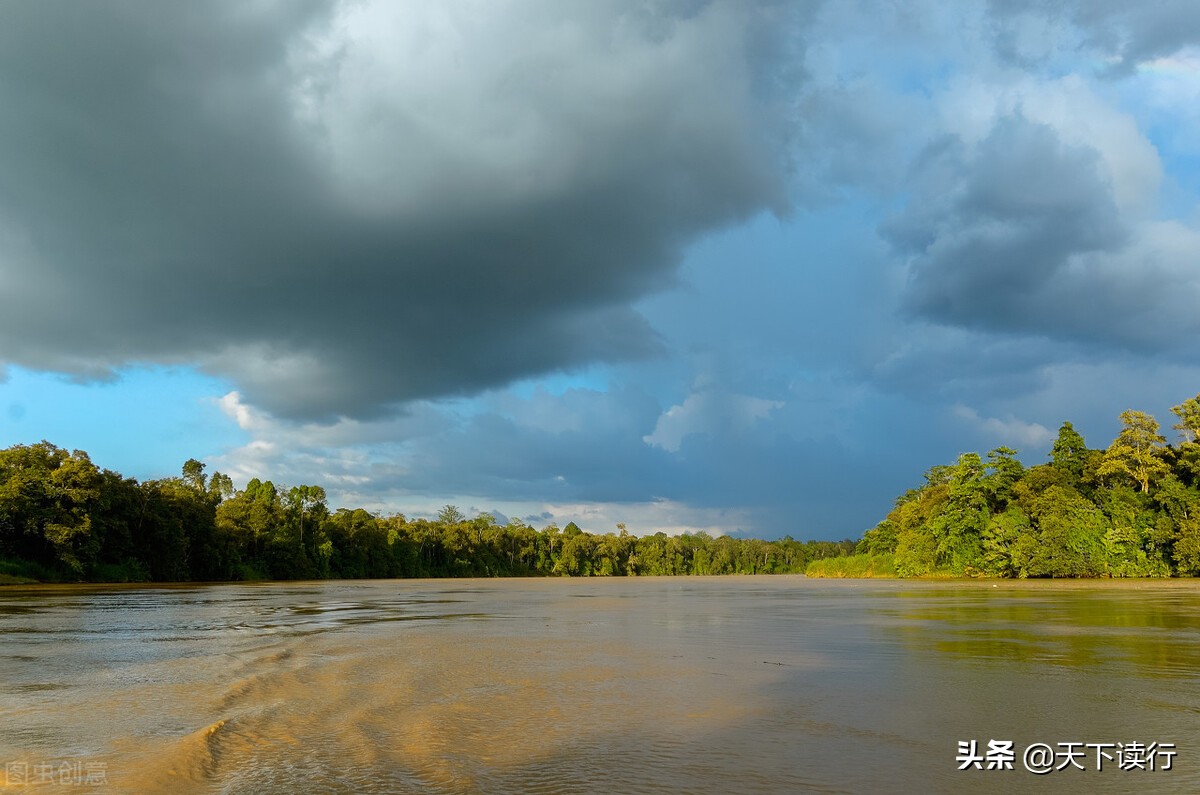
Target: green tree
49	499
193	474
958	528
651	554
220	487
1069	537
1004	471
302	499
1069	452
1137	451
250	517
913	516
1186	550
450	514
1133	531
1188	413
879	540
1006	544
75	488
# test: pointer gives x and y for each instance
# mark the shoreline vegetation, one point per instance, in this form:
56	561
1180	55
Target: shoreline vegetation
65	520
857	566
1129	511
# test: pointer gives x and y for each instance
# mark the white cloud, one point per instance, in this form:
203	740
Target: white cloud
712	412
340	456
640	518
1009	430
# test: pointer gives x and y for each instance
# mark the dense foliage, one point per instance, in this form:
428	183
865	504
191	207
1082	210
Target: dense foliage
860	566
1132	510
63	518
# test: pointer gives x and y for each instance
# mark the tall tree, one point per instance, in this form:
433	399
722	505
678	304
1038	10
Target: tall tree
220	486
1136	452
193	474
302	498
958	529
1004	471
450	514
1069	452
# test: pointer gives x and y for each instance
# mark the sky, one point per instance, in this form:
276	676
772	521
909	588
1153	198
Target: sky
740	267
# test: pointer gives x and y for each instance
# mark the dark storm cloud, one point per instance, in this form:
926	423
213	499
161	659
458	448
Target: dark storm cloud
993	224
346	207
1021	233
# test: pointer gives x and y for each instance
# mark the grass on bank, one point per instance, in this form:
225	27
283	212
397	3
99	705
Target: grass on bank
853	566
21	572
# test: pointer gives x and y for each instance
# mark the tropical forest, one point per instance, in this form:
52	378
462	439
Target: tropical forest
1130	510
63	519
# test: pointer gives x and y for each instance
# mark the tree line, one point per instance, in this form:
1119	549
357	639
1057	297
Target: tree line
1130	510
62	518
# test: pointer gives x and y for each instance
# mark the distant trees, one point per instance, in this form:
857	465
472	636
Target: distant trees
63	518
1131	510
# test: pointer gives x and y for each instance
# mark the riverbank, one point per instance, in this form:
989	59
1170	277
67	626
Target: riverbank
883	567
854	567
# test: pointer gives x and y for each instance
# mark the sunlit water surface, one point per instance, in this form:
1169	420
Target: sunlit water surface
704	685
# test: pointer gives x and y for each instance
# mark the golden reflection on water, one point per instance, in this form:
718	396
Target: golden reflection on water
556	686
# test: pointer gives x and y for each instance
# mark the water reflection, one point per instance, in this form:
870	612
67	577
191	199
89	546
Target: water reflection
1128	632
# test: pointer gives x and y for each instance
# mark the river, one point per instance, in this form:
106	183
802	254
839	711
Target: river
654	685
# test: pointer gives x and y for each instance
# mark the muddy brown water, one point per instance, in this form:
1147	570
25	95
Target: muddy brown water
655	685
